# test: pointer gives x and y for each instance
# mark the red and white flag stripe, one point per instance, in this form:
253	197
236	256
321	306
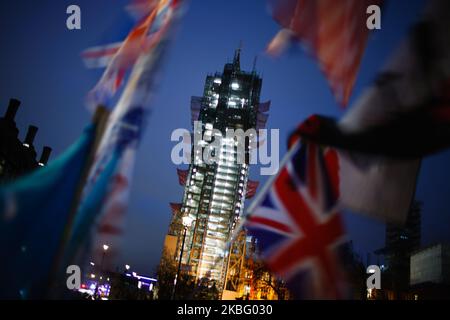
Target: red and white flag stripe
100	56
334	32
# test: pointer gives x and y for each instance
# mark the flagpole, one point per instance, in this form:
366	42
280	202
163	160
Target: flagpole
258	199
264	189
99	120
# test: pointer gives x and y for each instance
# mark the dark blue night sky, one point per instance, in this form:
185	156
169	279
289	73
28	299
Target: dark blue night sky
40	64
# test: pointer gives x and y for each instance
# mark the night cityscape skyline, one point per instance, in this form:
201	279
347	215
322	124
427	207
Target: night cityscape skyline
44	70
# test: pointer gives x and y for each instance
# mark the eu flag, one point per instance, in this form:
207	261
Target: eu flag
33	213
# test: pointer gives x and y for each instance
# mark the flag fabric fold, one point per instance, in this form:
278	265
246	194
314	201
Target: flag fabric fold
100	56
379	187
412	89
121	57
88	211
297	225
408	135
123	132
34	212
402	117
372	182
333	32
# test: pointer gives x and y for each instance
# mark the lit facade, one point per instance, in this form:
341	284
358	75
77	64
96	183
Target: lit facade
215	192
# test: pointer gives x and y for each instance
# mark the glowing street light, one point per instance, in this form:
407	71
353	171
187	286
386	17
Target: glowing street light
187	221
127	267
105	248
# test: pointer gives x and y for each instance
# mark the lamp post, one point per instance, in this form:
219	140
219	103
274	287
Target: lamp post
92	267
187	221
105	248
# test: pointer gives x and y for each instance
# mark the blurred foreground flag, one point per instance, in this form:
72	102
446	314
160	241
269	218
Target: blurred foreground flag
297	226
102	210
379	187
33	213
402	136
375	178
334	32
406	112
100	56
403	117
120	57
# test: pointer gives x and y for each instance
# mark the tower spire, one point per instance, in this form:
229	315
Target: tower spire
237	57
254	63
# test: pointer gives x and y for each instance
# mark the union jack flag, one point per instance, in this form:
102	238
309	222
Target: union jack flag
334	32
175	207
182	176
120	57
106	193
297	227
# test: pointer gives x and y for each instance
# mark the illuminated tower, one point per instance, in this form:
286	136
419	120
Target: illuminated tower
214	193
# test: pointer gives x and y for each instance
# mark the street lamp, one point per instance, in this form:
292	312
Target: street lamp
127	267
187	221
105	248
92	266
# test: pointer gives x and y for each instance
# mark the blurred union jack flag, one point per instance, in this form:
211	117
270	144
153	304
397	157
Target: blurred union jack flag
105	197
297	226
334	32
118	58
